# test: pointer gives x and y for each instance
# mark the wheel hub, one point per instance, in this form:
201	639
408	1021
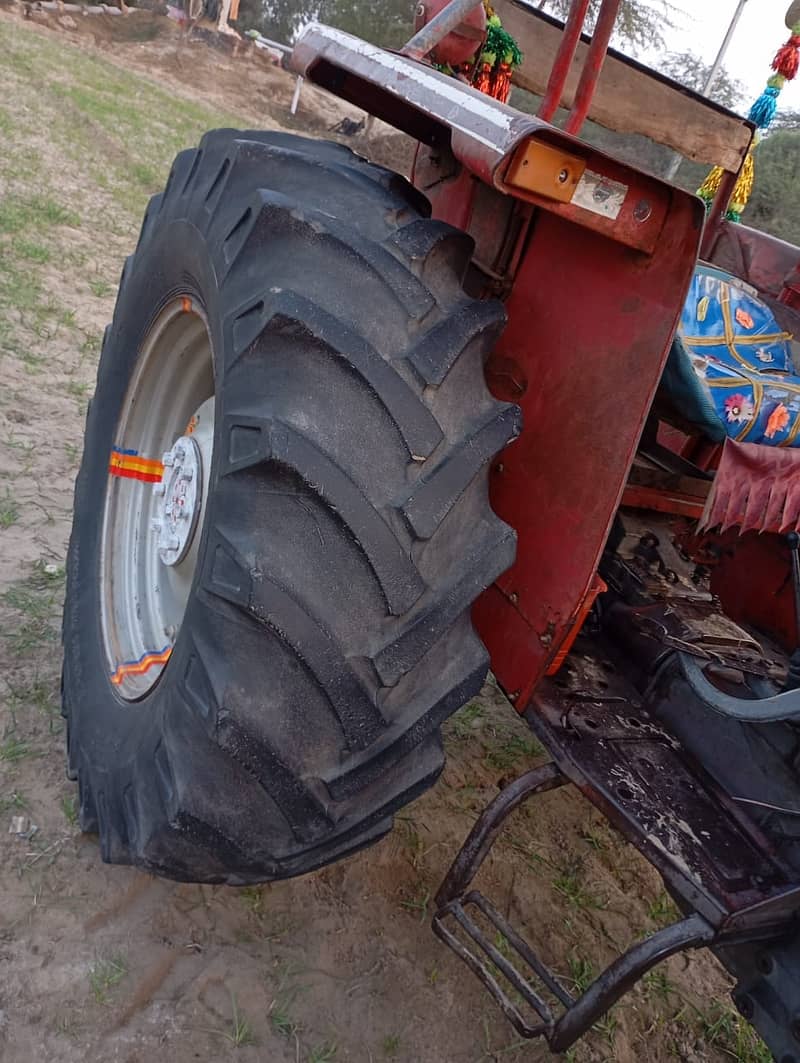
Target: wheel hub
178	500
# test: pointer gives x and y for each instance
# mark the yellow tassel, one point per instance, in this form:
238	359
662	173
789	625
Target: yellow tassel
709	188
743	186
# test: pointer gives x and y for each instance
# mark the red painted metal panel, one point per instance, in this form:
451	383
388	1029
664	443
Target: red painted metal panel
590	322
752	577
663	501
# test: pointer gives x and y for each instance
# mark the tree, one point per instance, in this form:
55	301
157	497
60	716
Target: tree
640	25
786	120
690	70
774	204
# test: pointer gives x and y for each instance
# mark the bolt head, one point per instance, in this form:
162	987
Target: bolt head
167	459
155	525
159	488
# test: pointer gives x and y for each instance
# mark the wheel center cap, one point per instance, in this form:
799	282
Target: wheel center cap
178	500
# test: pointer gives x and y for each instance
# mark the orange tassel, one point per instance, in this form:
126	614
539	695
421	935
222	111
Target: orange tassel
787	58
483	79
501	83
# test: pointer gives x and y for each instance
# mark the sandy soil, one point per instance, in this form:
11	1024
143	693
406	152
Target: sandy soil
104	963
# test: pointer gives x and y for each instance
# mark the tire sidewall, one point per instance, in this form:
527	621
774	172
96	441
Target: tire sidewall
175	261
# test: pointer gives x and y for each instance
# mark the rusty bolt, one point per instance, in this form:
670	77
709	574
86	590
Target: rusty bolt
514	597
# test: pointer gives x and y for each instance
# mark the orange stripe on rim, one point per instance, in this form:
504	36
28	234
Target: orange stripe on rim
135	467
144	664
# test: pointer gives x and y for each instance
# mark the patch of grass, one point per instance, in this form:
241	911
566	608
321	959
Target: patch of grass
46	574
657	984
464	724
100	288
593	837
507	754
662	910
9	510
581	973
569	885
13	801
18	213
280	1010
281	1020
391	1045
105	974
14	749
607	1027
90	348
418	904
69	806
30	250
253	897
38	694
323	1053
239	1033
726	1030
36	603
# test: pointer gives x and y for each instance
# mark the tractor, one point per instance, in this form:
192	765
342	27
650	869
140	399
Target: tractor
358	439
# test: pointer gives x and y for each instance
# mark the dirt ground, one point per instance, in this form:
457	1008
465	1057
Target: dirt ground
103	963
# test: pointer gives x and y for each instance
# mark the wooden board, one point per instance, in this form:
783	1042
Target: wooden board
629	99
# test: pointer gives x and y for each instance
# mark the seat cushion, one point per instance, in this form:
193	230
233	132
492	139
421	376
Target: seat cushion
730	370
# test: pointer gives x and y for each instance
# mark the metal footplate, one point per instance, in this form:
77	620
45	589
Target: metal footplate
714	860
576	1016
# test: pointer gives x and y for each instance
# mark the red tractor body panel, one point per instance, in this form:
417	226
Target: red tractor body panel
590	324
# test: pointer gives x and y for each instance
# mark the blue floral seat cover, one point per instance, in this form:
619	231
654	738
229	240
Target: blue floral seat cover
730	369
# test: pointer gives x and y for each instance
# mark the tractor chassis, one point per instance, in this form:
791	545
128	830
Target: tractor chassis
736	896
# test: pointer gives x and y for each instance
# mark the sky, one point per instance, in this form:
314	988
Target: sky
701	26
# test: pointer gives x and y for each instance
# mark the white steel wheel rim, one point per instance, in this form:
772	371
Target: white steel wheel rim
155	504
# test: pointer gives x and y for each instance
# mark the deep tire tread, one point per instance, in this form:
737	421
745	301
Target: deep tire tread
231	784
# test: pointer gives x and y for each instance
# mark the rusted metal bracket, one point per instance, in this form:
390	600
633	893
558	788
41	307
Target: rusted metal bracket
577	1015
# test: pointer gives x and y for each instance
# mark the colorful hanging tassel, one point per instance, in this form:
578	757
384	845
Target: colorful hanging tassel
709	188
785	64
787	58
742	188
490	71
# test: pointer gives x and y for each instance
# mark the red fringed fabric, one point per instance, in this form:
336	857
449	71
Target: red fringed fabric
500	86
483	78
756	488
787	58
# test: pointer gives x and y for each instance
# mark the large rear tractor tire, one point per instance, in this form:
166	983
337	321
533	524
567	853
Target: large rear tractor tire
281	517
